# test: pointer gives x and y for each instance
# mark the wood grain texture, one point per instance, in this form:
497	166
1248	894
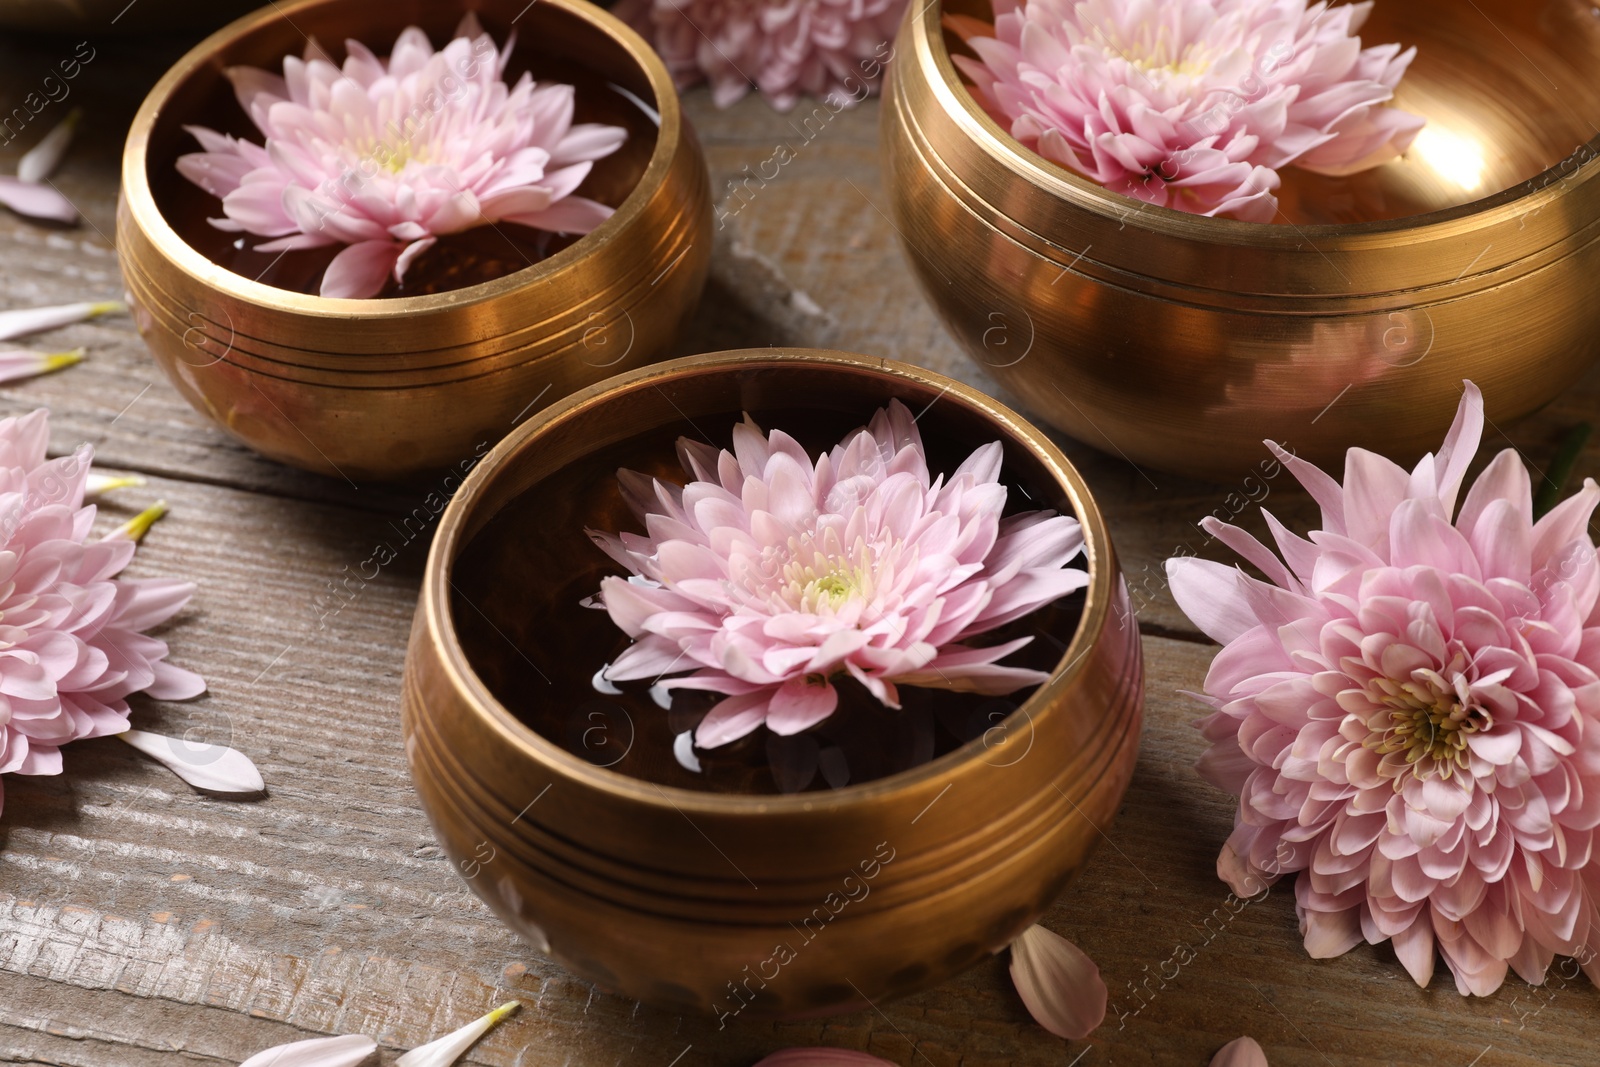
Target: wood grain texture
142	924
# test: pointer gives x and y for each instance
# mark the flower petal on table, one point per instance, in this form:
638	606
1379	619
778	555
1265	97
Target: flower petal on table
105	483
348	1051
36	201
1240	1052
25	363
22	321
822	1057
449	1048
42	159
1060	985
210	768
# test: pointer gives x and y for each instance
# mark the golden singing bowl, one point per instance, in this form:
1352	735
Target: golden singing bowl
1180	341
742	904
384	388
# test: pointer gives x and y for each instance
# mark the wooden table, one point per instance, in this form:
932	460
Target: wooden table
142	924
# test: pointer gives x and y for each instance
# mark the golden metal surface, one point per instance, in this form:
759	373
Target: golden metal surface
678	897
386	388
1180	341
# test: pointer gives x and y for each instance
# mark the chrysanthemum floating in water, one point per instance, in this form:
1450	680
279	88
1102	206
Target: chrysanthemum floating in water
386	156
770	577
1191	104
1409	711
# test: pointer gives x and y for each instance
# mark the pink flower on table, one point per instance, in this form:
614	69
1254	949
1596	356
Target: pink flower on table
1191	104
72	640
1409	710
386	156
770	576
831	49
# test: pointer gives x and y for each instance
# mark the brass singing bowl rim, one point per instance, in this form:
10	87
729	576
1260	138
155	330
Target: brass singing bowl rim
959	102
200	270
434	604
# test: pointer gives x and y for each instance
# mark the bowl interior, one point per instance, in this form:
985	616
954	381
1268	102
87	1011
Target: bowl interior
1508	88
527	565
553	42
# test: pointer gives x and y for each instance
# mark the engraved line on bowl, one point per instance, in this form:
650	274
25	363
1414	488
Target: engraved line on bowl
891	1022
1332	402
1474	262
547	785
1102	433
1290	1021
932	402
686	1048
302	433
1105	835
702	833
674	263
515	647
932	802
530	404
1074	263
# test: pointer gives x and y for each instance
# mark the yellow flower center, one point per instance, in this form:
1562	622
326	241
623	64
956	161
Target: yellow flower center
1421	727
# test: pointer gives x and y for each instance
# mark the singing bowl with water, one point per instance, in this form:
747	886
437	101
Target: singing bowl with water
385	388
678	896
1179	341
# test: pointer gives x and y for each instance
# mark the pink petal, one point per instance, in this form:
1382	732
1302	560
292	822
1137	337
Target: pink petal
36	201
821	1057
799	704
732	718
1240	1052
1060	985
361	270
1210	594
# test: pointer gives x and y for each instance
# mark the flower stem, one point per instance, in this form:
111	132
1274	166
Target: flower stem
1560	472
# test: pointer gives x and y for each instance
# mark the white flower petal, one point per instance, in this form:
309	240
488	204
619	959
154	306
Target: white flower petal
1060	985
135	528
104	483
449	1048
349	1051
25	363
210	768
1240	1052
23	321
42	159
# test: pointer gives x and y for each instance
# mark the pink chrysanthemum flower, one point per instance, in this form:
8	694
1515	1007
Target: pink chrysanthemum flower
385	156
72	641
1191	104
829	49
771	577
1409	710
